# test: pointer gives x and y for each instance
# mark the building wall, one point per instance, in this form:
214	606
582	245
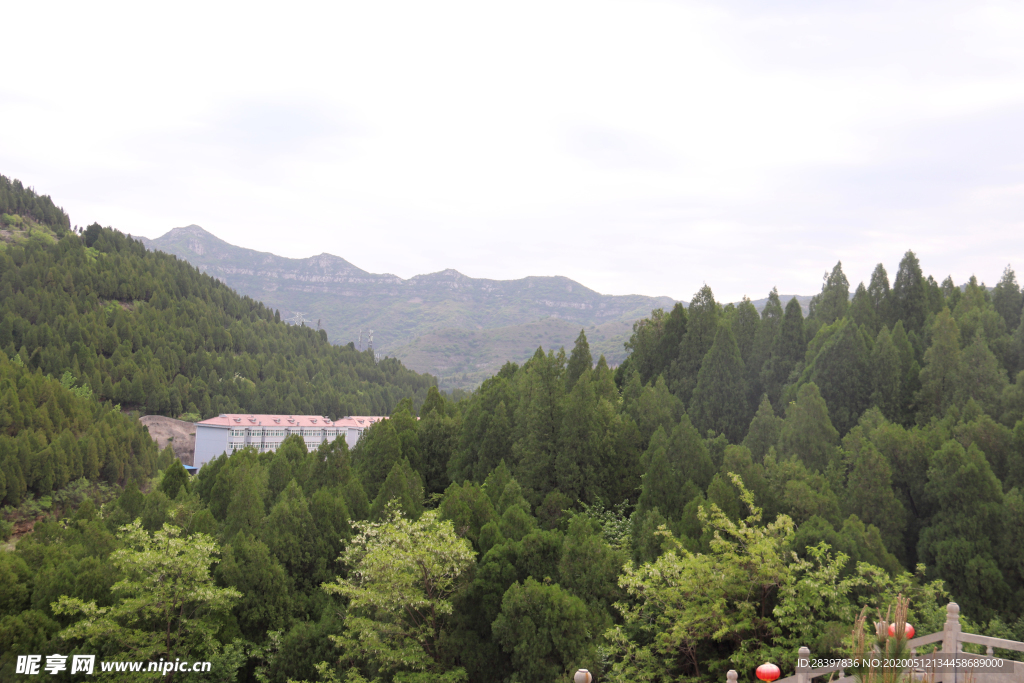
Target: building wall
211	441
214	440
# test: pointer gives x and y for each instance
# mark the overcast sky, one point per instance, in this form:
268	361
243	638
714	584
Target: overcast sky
637	147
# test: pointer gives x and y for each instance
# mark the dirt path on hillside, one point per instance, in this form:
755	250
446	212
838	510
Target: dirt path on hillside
181	435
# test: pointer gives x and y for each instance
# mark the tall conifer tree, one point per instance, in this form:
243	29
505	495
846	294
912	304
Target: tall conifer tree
720	397
701	328
909	298
579	361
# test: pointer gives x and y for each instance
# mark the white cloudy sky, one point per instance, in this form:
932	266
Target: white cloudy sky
638	147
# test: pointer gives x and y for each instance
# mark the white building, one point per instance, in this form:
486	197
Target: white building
228	433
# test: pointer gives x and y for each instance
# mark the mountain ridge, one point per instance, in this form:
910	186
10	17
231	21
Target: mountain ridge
348	302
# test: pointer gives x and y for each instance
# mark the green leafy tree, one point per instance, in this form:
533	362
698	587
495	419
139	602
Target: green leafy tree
166	603
544	629
402	576
683	601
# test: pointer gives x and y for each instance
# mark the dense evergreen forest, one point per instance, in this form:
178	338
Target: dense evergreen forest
18	202
742	485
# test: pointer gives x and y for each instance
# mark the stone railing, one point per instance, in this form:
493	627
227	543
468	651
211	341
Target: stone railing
952	639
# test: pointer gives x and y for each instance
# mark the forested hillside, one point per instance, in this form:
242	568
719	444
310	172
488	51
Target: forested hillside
20	206
742	485
150	332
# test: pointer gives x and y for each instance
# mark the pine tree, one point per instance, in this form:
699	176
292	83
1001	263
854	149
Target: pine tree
720	397
579	361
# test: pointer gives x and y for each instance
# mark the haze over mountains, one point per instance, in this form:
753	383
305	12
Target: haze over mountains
459	328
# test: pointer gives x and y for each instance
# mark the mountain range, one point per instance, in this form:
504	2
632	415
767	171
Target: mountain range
458	328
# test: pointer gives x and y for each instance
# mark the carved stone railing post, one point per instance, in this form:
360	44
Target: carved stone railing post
731	676
951	636
803	665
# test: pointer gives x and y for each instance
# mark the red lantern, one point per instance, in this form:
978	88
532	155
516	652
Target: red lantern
908	631
768	672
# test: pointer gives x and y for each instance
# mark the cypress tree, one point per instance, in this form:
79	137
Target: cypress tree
771	321
539	418
878	290
887	377
807	431
701	328
404	485
840	370
720	397
980	376
909	298
787	352
1007	299
870	495
580	360
862	310
667	349
175	478
834	300
941	372
764	432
